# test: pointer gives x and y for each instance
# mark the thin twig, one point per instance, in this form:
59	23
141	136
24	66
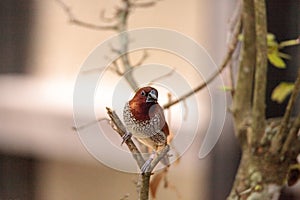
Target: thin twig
292	139
144	192
144	4
231	47
234	19
74	20
124	12
117	68
231	79
169	110
286	119
142	59
105	18
158	158
170	73
77	128
96	69
232	24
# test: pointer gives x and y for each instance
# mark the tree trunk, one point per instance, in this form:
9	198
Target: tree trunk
262	174
259	177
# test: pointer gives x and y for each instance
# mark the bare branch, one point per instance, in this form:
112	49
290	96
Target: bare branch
116	68
259	95
163	76
92	26
292	141
231	79
231	47
142	59
96	69
234	19
89	124
105	18
292	135
120	128
74	20
144	4
186	110
243	91
158	158
144	191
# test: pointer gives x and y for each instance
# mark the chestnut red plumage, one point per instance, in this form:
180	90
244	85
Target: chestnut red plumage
145	120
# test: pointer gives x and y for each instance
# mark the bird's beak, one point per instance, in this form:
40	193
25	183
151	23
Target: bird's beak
152	96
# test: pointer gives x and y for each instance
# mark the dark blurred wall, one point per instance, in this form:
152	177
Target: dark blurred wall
17	177
17	173
284	22
15	23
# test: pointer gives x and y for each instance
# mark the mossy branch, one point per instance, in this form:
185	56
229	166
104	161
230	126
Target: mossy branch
292	134
242	101
259	95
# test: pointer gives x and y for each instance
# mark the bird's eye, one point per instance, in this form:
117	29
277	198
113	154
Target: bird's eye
143	93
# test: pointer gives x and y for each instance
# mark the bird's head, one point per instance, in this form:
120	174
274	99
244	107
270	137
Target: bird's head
146	95
144	103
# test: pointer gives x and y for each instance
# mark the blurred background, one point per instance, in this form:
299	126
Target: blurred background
41	157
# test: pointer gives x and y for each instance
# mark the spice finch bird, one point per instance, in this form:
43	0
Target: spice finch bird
145	120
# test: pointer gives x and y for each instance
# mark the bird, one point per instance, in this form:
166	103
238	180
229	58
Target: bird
144	120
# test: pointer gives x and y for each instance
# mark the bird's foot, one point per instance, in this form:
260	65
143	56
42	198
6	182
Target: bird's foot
146	166
126	136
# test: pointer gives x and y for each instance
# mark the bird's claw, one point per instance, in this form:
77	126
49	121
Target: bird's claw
146	166
126	136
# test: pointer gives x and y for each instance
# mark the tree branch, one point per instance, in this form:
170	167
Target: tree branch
292	135
144	4
77	128
74	20
292	144
170	73
120	18
244	87
120	128
144	193
231	48
259	95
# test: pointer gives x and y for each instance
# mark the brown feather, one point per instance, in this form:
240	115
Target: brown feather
144	113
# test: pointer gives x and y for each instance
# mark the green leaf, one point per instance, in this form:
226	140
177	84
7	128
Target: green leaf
281	91
276	60
271	40
289	43
284	55
270	37
226	88
241	37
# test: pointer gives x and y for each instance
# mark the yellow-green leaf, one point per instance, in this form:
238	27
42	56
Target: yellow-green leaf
289	43
241	37
284	55
226	88
281	91
276	60
270	37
